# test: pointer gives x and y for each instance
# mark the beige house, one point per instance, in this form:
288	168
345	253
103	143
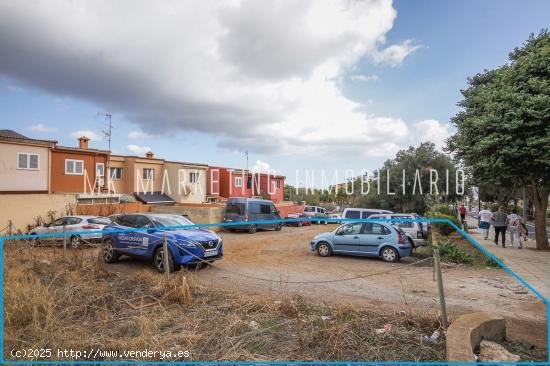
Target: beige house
24	163
185	182
131	174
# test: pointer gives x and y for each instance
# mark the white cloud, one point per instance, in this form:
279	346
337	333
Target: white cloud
431	130
40	127
138	150
135	135
256	75
92	135
394	55
364	78
261	166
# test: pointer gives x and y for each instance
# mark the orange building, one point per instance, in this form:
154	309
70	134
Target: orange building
78	169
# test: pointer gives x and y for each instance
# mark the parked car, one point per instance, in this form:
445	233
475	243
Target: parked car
251	209
362	213
74	226
335	218
186	246
368	239
298	215
316	212
414	230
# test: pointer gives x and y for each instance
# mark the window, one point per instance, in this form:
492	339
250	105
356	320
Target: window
277	183
142	221
59	222
352	229
366	214
73	220
116	173
265	208
309	209
148	174
100	169
238	181
353	214
235	208
375	229
74	167
249	183
193	177
27	161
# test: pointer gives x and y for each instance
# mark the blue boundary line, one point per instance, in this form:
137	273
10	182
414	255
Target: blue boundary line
260	222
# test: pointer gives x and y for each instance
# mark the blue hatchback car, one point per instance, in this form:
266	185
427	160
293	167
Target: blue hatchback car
370	239
186	246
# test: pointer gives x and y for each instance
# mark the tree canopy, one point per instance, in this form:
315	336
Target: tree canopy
503	129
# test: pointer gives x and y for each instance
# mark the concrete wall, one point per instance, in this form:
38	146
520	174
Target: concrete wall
199	214
13	179
22	209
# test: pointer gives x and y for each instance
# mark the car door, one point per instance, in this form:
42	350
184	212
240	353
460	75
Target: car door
373	236
73	224
56	227
137	242
347	238
266	212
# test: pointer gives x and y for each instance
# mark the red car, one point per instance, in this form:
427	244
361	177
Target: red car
298	215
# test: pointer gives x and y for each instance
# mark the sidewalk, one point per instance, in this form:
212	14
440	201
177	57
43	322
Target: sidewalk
530	264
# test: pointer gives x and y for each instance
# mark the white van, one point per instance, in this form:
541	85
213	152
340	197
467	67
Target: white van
415	231
362	213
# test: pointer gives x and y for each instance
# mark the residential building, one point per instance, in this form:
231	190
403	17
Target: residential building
78	169
24	163
136	174
186	182
244	183
213	184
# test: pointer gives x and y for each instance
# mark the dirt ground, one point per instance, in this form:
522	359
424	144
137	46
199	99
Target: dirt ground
266	263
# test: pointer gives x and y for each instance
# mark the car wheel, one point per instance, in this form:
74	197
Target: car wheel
158	260
76	242
110	255
278	227
389	254
252	229
34	241
323	249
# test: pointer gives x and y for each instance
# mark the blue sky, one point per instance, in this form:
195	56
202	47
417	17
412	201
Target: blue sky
191	105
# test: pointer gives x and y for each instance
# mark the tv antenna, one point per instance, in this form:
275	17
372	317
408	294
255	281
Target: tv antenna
109	131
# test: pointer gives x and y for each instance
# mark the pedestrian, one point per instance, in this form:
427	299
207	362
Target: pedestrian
485	217
462	211
516	228
500	223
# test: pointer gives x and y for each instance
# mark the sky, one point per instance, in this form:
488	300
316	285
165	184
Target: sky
310	85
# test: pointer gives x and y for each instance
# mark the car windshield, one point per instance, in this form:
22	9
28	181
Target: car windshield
170	220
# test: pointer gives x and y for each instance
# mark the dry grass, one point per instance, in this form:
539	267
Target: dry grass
76	304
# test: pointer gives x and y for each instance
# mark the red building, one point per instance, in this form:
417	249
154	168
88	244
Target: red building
225	182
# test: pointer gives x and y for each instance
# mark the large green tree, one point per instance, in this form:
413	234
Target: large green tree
503	130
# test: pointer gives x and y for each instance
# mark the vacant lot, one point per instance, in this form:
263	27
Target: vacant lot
269	262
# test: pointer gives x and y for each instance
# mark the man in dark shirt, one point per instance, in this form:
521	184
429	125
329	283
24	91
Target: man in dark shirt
500	223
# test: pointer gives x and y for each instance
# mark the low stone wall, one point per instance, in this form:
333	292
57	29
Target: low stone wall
466	333
24	209
199	214
111	208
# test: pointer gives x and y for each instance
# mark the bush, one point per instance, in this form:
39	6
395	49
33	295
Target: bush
443	228
451	253
548	214
444	209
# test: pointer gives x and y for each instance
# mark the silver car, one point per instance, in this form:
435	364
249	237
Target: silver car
72	225
416	232
316	212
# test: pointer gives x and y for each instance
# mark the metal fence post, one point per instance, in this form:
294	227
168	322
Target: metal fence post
64	243
437	265
165	254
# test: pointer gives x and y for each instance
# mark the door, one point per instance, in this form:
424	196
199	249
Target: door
100	174
267	213
57	226
347	238
374	235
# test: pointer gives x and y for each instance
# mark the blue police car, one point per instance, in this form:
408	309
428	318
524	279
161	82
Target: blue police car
186	246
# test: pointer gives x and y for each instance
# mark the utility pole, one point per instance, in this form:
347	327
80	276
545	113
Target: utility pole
246	154
108	133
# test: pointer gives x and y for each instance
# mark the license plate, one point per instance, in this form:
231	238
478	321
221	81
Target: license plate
211	253
227	220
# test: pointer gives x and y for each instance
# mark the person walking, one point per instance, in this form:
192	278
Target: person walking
485	217
462	211
500	223
516	228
